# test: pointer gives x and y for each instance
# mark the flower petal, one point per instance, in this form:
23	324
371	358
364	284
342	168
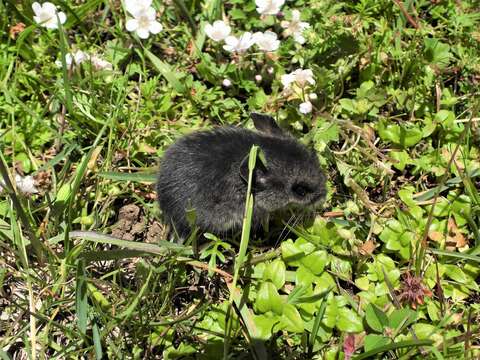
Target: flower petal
36	7
143	33
49	8
51	23
208	30
62	17
231	41
155	27
131	25
150	13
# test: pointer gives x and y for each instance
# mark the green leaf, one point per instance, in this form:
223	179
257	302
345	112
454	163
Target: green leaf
265	324
291	319
349	105
437	53
173	76
268	299
145	177
348	320
291	253
455	273
446	118
304	277
81	299
402	344
97	343
400	318
376	318
403	159
405	136
315	262
374	341
275	272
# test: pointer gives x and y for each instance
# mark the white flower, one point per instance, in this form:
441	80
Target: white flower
266	41
305	107
46	15
144	23
241	44
270	70
99	63
269	7
258	77
218	31
295	27
135	7
78	57
26	184
313	96
300	77
287	80
226	82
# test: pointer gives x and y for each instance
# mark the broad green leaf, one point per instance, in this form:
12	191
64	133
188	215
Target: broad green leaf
373	341
348	320
291	319
291	253
376	318
275	272
445	117
437	53
401	318
315	262
268	299
402	157
265	325
403	135
456	273
304	277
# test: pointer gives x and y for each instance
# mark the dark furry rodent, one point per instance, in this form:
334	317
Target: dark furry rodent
207	171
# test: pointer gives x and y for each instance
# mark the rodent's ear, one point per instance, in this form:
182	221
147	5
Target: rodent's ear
259	173
266	124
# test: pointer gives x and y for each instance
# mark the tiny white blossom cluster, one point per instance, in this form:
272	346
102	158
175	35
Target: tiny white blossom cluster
25	184
269	7
297	82
46	15
266	41
295	27
144	20
74	59
220	31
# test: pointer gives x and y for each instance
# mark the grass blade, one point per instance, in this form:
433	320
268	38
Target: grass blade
145	177
37	245
394	346
129	311
458	255
258	349
97	344
170	74
81	300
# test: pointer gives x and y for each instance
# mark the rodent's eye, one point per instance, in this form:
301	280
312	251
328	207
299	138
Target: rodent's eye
301	189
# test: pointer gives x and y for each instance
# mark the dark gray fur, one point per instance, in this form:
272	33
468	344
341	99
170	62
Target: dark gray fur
207	171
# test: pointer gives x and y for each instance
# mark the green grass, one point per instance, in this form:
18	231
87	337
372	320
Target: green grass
388	269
